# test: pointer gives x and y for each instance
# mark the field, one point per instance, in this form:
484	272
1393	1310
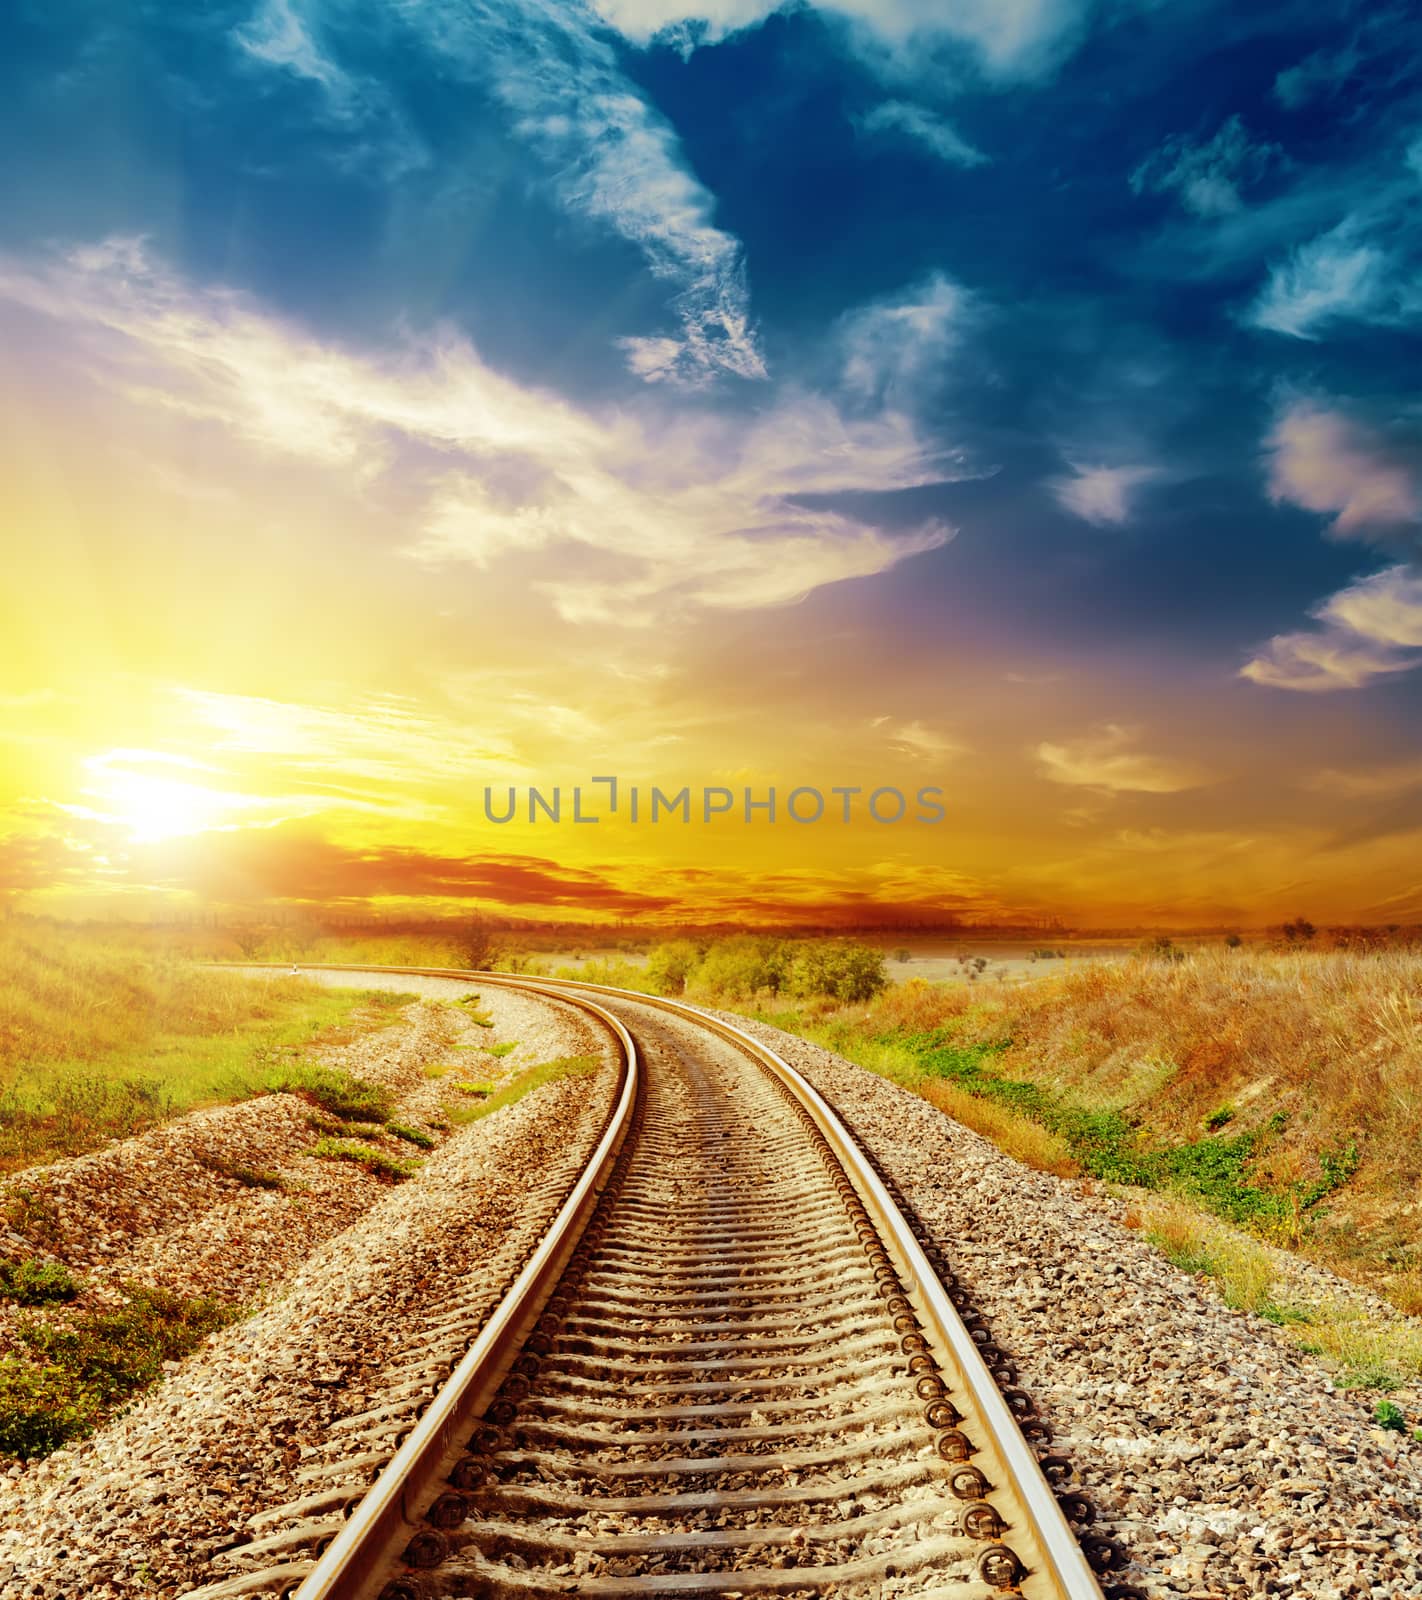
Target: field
100	1036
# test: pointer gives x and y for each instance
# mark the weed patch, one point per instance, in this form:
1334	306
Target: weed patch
82	1372
414	1136
338	1092
248	1177
516	1088
388	1168
31	1282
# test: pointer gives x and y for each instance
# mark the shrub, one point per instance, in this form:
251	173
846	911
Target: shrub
32	1282
849	973
670	965
1389	1416
743	966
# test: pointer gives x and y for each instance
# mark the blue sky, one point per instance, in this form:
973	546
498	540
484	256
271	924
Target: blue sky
1012	341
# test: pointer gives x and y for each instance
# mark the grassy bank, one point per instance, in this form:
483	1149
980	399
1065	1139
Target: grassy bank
99	1039
1250	1095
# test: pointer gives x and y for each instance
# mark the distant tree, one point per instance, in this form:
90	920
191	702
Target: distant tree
476	944
1233	941
1299	931
849	973
670	965
903	955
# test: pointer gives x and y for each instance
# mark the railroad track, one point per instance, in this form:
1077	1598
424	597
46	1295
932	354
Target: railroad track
730	1368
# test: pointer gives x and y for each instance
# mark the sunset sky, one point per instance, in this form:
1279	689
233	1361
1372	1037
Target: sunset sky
1015	396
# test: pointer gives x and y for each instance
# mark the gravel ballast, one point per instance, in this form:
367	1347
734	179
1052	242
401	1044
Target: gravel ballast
143	1505
1221	1458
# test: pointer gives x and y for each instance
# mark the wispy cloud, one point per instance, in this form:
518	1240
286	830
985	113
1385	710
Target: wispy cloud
665	509
1338	275
608	154
1008	38
279	36
916	739
1320	75
1365	783
1101	494
1107	759
1208	176
1323	460
895	347
1370	630
905	121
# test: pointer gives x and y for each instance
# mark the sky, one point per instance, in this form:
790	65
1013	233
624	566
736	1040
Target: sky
1014	397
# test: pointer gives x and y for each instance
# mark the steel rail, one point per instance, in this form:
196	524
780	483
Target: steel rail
393	1507
1050	1544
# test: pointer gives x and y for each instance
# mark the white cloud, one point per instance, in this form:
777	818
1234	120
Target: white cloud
1010	38
1101	494
1106	760
1320	75
610	156
917	739
921	127
1207	177
1385	609
1337	275
1372	629
895	346
1322	460
277	35
655	510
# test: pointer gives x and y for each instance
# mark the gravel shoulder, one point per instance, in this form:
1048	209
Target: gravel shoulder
1221	1457
345	1270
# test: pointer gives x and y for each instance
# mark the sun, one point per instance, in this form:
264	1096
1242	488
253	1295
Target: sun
155	807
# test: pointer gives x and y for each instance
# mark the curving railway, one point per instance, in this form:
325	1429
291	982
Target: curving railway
730	1367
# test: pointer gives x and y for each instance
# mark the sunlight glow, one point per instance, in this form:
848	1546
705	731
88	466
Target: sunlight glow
155	808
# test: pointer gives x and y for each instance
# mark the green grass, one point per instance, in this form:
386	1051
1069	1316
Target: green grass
1389	1416
374	1161
31	1282
516	1088
248	1177
467	1086
414	1136
501	1049
76	1374
341	1093
153	1040
1220	1173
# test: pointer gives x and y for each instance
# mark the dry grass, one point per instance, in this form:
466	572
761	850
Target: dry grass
1371	1351
1026	1141
1316	1051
